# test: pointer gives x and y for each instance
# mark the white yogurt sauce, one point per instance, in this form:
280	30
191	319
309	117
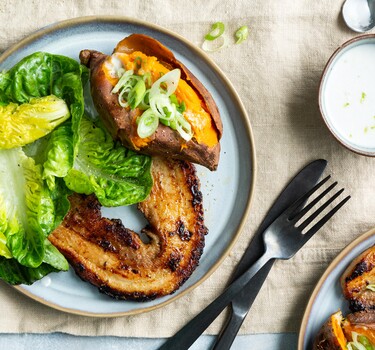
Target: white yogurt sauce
349	95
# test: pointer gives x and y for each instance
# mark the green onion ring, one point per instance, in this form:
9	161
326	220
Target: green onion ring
217	30
147	124
241	34
212	46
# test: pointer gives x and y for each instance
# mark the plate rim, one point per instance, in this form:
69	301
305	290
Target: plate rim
334	263
110	19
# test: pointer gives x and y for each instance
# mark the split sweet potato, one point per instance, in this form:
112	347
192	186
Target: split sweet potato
203	148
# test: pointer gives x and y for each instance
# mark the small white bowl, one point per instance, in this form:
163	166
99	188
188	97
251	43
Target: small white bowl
347	94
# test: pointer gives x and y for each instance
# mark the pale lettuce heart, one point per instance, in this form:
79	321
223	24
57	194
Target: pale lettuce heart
27	122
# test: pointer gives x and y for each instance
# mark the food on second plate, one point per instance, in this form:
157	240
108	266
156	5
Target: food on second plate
358	281
117	260
153	103
354	332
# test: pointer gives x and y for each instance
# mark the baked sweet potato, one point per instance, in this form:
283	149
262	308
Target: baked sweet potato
358	281
144	54
331	335
355	331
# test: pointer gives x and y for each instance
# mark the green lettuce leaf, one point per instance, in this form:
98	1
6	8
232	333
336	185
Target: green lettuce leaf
42	74
54	258
27	208
58	154
115	174
11	271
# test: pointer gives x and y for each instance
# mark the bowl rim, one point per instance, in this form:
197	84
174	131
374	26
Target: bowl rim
323	78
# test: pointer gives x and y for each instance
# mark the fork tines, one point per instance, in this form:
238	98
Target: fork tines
295	214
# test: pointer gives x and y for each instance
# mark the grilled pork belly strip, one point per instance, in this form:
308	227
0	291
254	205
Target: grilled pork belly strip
358	281
115	259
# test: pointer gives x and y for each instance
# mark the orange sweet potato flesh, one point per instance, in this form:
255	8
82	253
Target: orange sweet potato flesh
331	335
121	122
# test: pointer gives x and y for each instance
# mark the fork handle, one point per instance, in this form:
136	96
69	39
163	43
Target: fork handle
229	333
240	307
188	334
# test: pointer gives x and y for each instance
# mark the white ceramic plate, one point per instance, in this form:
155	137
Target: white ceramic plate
327	296
227	192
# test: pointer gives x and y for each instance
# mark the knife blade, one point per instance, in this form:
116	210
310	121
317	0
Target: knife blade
240	306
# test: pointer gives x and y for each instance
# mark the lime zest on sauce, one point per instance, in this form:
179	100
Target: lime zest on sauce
363	97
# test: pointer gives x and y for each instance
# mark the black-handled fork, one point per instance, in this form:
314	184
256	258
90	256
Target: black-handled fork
239	307
282	239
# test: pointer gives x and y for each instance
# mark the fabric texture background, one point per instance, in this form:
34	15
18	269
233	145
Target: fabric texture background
276	72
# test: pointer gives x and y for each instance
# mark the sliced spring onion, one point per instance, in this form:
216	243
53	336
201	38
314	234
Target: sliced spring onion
162	106
183	127
169	80
217	30
158	102
131	88
360	342
122	81
147	79
366	342
147	123
145	103
215	45
136	94
241	34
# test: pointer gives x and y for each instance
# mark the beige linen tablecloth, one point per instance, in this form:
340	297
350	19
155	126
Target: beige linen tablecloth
276	73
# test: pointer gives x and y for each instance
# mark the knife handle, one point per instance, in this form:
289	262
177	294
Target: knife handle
239	309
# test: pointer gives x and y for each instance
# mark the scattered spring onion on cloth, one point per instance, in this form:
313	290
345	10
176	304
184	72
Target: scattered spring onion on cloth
241	34
216	39
217	30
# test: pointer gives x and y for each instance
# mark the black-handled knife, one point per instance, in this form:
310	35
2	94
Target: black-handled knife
240	306
300	184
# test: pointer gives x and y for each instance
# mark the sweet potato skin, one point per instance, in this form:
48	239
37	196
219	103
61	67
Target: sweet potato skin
121	122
